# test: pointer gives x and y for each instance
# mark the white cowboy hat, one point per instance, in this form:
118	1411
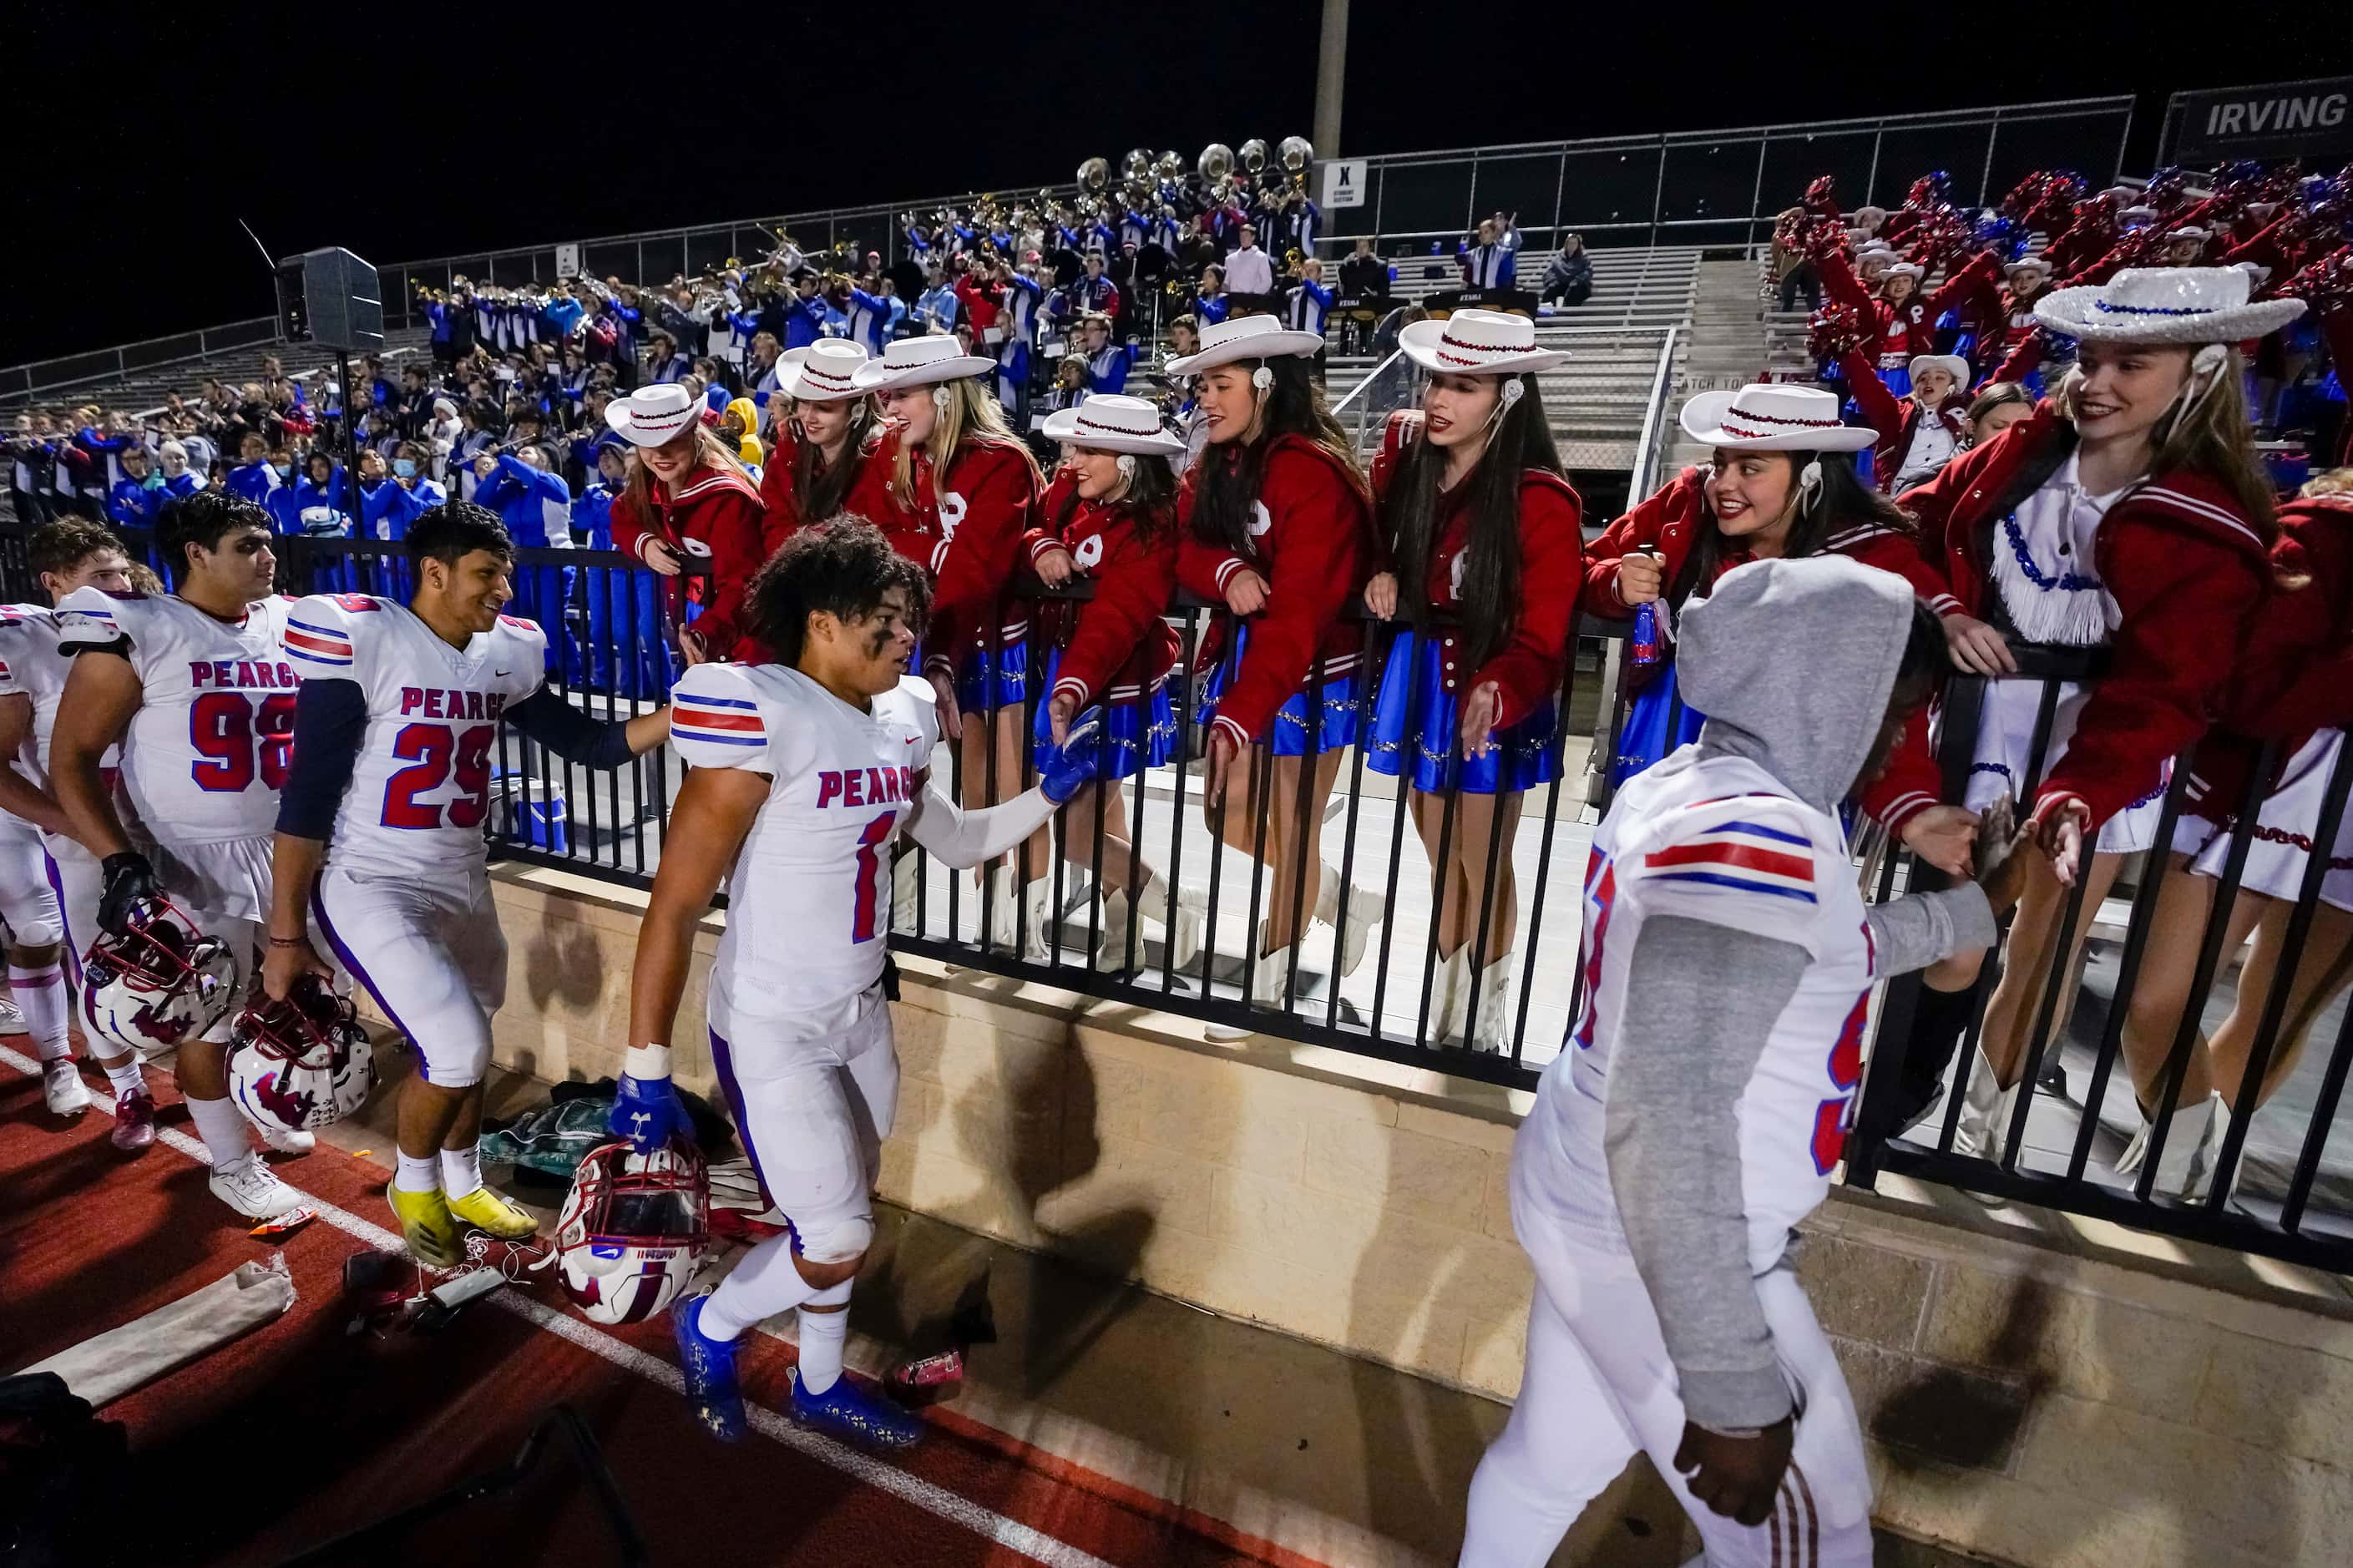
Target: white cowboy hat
1911	269
1108	422
2140	214
825	372
1953	366
1477	342
1773	417
1244	337
2257	273
2166	305
2190	231
1868	211
653	416
919	362
2034	261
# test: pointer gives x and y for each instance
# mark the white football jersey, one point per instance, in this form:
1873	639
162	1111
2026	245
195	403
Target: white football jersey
421	787
1718	840
207	750
808	907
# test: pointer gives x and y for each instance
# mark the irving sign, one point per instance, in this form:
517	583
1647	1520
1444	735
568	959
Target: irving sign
2308	120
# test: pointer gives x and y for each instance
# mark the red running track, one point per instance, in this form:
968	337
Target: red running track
298	1432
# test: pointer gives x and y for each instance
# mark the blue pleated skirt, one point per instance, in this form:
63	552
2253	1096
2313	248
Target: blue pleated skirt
1291	736
1137	736
1657	722
1415	717
1007	669
1897	381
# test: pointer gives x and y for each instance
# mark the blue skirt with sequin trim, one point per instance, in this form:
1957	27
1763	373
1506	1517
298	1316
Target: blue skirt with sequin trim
1008	668
1290	736
1138	736
1415	714
1658	721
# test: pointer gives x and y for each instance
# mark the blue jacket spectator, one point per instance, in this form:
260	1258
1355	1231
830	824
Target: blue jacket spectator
536	505
315	503
137	498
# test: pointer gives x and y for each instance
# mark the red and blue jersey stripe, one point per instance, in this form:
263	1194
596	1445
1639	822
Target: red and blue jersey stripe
317	645
1741	857
721	720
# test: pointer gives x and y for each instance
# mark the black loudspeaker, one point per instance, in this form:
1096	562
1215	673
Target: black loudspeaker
331	298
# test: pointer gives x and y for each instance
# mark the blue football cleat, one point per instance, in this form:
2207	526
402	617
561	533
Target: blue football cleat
845	1411
710	1368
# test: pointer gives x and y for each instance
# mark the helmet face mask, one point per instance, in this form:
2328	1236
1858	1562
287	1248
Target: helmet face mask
160	983
633	1229
302	1063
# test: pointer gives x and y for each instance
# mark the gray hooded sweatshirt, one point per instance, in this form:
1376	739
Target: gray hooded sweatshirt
1792	661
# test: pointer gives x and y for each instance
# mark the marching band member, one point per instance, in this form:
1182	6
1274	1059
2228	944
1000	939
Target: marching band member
820	467
1480	520
1111	516
1108	364
2128	512
956	468
689	496
1276	526
1309	300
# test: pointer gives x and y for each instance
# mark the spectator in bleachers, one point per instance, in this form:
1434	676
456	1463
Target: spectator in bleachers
1108	364
535	504
1489	259
483	424
1211	300
1308	301
1568	277
1250	273
138	497
390	501
1069	388
663	361
936	308
181	477
27	456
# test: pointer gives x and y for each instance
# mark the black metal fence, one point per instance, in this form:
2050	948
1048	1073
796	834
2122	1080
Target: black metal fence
2268	1182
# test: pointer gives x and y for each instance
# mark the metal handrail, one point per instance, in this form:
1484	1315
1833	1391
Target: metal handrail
1654	415
1394	355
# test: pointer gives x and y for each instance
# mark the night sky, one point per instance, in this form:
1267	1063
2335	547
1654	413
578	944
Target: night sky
429	131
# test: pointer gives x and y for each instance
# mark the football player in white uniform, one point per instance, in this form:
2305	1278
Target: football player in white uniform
1704	1096
805	770
49	884
380	834
195	689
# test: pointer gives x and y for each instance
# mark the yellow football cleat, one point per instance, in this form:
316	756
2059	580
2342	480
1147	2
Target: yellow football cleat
427	1226
487	1211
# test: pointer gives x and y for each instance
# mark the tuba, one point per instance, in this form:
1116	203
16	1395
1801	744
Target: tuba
1136	164
1297	153
1215	162
1093	174
1253	155
1171	165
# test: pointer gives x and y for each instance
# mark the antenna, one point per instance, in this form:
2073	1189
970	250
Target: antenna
266	259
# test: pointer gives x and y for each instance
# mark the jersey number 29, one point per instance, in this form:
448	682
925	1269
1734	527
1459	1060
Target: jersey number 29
437	749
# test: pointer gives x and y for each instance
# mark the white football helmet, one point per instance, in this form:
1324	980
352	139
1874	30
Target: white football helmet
633	1227
160	983
301	1063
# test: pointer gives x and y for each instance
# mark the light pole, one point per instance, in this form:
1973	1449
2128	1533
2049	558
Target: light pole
1331	73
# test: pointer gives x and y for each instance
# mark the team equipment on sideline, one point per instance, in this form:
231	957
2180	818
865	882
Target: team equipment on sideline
158	982
633	1227
301	1063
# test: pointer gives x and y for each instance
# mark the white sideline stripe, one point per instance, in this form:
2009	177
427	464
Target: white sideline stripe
928	1495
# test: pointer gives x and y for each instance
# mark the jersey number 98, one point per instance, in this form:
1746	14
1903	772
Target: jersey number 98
436	751
239	739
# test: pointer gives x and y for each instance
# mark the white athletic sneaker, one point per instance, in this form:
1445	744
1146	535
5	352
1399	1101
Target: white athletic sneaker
12	1018
290	1143
62	1087
253	1190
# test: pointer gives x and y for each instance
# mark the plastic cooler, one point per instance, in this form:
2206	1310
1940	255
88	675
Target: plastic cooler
532	811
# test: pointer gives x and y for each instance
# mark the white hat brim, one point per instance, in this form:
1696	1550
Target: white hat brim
2070	311
1953	366
1063	425
617	416
792	381
1423	342
875	375
1259	345
1702	421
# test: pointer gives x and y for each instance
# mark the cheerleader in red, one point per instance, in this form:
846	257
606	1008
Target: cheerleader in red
822	449
1906	318
1276	524
957	471
1920	434
2129	512
688	495
1110	518
1476	513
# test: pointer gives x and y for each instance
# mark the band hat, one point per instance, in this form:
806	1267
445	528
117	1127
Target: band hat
2166	305
919	362
653	416
824	371
1478	342
1773	417
1109	422
1953	366
1244	337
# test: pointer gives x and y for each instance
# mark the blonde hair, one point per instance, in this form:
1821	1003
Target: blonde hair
969	415
2211	438
2335	482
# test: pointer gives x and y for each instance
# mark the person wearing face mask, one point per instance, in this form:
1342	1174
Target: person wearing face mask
957	474
1919	433
1277	524
1111	518
1474	512
139	495
689	498
1780	481
2129	512
823	464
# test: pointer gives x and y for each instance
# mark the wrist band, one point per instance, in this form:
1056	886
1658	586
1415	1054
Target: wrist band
290	941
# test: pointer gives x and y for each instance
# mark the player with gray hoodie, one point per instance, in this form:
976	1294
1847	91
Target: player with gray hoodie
1701	1099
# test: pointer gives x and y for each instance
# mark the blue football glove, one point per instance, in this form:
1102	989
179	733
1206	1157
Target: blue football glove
647	1110
1074	764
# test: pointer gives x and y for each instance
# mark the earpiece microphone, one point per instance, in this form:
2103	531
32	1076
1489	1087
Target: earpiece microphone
939	397
1261	378
1513	392
1126	466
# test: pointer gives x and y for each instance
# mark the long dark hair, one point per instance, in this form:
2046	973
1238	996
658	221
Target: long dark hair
1293	406
818	487
1149	501
1522	440
1844	501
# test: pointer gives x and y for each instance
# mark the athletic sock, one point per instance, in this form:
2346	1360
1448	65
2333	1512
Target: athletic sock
823	1336
127	1075
40	995
764	1285
228	1138
419	1173
1938	1020
462	1170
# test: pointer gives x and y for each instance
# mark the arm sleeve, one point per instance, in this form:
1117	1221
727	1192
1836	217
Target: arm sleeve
980	559
329	721
966	838
1318	563
1710	995
571	734
1204	570
1881	410
2021	359
1911	784
1528	669
1918	930
1123	617
1841	284
1963	282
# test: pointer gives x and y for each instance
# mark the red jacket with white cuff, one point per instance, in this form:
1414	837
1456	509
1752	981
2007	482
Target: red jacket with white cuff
1527	669
981	507
719	510
1120	645
1313	543
2188	570
1895	419
1909	328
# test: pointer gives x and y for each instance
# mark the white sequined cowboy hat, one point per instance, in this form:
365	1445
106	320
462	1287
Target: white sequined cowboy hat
2166	305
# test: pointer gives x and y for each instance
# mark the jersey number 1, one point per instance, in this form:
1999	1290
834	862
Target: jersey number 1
239	739
435	746
869	862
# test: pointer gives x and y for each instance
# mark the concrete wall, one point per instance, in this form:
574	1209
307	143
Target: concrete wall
2039	1389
